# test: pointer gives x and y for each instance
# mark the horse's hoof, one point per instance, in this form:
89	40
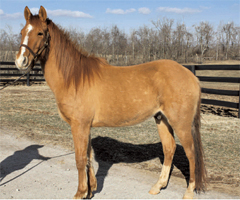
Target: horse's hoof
94	186
154	191
90	195
81	195
188	195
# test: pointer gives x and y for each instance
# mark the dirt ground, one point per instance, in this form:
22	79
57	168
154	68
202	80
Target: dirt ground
30	169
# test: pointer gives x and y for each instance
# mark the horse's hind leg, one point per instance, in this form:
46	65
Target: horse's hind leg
185	137
169	146
183	130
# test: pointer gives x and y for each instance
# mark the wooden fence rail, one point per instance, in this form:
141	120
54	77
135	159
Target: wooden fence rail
193	68
13	72
37	77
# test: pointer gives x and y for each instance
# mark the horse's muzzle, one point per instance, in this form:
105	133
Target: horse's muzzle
23	63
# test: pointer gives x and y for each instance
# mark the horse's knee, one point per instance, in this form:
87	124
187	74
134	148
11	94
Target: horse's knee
81	163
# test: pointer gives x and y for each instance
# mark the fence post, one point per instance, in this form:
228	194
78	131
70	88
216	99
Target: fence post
239	103
28	79
193	69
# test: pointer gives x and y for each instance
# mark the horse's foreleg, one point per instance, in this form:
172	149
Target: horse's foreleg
169	147
80	134
91	174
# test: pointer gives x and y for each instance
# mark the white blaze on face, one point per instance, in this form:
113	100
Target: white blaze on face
20	59
25	41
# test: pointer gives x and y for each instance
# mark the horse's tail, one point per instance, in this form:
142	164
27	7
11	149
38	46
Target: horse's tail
200	170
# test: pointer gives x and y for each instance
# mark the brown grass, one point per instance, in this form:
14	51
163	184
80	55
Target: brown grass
31	112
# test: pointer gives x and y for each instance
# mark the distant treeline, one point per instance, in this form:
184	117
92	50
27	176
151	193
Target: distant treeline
163	40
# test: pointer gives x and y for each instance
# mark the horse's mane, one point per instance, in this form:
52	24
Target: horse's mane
76	65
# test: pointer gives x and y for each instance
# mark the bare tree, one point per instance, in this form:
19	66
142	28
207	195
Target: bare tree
230	34
204	33
77	36
118	42
179	41
94	40
106	42
164	27
114	38
133	40
163	41
145	42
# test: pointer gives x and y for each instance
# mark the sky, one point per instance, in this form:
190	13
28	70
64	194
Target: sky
83	15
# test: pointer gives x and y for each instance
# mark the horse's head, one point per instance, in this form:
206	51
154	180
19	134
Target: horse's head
34	39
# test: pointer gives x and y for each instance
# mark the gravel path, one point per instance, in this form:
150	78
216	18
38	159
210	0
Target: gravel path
31	170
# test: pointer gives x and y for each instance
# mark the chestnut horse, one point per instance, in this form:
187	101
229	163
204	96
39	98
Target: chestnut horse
91	93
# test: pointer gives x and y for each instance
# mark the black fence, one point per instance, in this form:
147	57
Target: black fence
8	74
236	80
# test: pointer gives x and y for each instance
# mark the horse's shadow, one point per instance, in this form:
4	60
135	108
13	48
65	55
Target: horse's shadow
109	151
19	160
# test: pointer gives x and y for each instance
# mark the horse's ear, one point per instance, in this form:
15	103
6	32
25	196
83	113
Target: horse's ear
27	13
42	14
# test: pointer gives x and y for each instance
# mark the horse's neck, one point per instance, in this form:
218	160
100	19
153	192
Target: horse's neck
52	74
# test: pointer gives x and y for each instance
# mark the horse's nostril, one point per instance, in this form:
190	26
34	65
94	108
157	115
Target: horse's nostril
25	61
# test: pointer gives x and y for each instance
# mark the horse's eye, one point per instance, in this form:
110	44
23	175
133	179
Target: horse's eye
40	34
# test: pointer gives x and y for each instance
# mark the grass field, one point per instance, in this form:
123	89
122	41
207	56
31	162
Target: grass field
32	112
